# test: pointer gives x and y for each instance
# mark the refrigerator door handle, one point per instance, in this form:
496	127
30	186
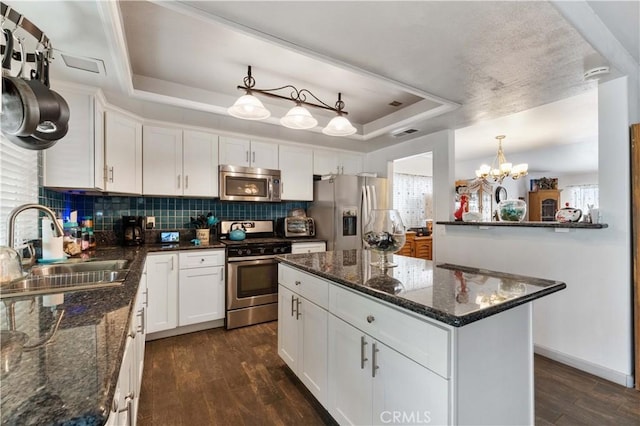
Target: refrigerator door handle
374	198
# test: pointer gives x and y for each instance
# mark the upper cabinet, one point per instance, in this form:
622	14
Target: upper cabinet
337	162
123	153
82	146
296	167
248	153
177	162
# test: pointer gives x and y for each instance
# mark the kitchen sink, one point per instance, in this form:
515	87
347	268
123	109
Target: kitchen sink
57	278
86	266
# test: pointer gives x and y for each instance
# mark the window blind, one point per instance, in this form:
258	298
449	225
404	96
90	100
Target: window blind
18	185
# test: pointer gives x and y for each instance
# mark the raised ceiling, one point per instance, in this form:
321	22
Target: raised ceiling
452	64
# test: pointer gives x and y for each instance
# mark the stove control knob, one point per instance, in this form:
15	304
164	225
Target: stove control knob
248	251
261	250
239	252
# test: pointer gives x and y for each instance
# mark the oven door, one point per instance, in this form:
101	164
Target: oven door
252	282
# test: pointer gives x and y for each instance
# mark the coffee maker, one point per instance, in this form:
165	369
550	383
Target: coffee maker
132	230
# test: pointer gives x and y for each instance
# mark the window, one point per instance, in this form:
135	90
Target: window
583	196
413	198
18	185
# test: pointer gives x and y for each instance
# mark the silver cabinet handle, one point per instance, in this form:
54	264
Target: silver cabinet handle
111	171
292	302
141	315
221	274
370	319
146	298
298	313
363	351
129	399
172	262
253	157
374	366
186	181
247	155
132	334
298	282
179	179
114	404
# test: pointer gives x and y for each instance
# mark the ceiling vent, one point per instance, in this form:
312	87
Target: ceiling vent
93	65
395	103
405	132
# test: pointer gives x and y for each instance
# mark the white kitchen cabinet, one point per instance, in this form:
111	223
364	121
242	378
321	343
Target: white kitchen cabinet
162	288
123	153
308	247
200	164
201	287
337	162
302	328
177	162
77	160
139	328
369	382
296	168
248	153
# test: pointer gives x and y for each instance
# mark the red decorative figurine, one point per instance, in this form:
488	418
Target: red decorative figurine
464	201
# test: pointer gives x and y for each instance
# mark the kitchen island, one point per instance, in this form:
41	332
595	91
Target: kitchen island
419	343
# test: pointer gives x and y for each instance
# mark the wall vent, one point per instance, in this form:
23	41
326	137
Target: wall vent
395	103
404	132
93	65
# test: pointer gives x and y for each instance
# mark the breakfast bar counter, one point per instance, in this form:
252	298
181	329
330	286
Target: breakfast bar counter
421	342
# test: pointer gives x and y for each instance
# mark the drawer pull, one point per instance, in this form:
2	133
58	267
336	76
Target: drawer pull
298	282
298	313
292	302
363	352
370	319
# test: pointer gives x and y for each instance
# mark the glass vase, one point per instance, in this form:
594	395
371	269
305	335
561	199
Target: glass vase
384	234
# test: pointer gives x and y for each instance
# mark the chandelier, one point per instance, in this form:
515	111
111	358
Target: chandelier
248	107
500	168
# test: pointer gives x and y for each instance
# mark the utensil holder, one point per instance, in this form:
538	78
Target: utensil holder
203	236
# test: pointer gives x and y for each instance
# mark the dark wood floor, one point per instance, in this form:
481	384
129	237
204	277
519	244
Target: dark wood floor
219	377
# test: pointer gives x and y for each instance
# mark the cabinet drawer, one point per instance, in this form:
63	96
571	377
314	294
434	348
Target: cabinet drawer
308	247
420	340
308	286
201	258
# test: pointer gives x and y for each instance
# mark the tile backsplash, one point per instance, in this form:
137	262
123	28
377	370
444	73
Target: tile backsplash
170	213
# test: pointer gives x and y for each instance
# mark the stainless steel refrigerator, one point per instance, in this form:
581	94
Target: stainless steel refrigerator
342	205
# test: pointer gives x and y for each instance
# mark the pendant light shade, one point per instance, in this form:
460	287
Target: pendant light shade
299	118
249	107
339	126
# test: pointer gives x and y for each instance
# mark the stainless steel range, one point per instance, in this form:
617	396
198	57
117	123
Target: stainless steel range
252	272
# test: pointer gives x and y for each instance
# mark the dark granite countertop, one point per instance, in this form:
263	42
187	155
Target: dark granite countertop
527	224
72	379
452	294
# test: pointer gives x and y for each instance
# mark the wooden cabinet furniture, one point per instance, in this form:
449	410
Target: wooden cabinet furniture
248	153
543	205
296	168
185	289
177	162
123	153
82	146
414	246
326	162
302	328
312	247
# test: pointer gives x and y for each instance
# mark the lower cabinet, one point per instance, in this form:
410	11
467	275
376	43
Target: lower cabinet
308	247
370	383
302	334
185	288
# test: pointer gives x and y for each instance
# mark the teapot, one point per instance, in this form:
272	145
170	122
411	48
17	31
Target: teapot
237	234
568	214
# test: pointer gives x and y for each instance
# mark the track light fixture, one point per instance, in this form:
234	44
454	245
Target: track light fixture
248	107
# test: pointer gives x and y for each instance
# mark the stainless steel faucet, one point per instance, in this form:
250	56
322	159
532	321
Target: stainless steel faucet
15	212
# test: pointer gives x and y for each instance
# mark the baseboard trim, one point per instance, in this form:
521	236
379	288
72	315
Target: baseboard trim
185	329
586	366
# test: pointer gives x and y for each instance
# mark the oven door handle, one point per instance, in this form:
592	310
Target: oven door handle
252	258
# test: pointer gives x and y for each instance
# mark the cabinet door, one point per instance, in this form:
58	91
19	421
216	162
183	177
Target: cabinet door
70	162
200	164
140	328
99	169
234	151
288	327
162	288
296	166
423	249
264	155
324	162
404	388
313	363
162	161
351	164
123	153
349	397
124	397
201	295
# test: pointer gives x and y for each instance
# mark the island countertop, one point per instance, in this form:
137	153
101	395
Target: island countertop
452	294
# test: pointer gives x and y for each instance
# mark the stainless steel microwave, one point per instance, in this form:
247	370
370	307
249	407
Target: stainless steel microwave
249	184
